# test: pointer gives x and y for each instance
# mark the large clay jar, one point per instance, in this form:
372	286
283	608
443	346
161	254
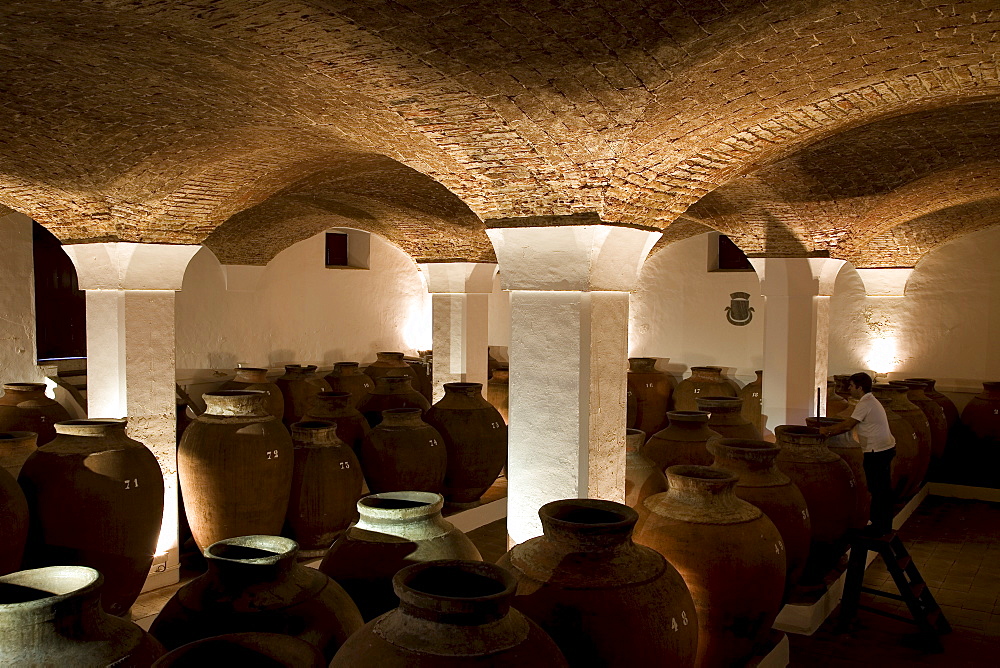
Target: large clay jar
828	486
498	392
652	389
395	530
347	377
404	453
423	381
835	404
729	553
682	442
335	407
910	462
936	418
24	407
390	364
761	483
15	448
253	378
844	446
245	649
326	485
96	499
13	523
982	414
643	477
52	617
234	465
704	381
254	584
726	417
475	440
299	386
605	600
921	426
391	392
950	410
454	614
752	394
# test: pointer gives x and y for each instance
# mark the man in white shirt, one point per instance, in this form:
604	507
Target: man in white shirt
879	446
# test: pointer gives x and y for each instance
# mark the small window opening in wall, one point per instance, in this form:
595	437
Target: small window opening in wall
729	257
60	305
346	249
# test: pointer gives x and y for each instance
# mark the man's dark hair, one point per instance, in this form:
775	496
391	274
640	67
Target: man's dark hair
862	380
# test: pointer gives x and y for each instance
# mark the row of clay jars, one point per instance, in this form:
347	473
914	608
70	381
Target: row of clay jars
651	390
52	616
95	498
946	404
921	425
24	407
704	381
828	486
683	441
849	450
761	483
394	530
912	457
936	419
254	583
605	600
730	555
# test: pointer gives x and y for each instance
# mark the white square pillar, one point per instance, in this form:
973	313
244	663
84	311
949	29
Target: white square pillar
569	344
131	367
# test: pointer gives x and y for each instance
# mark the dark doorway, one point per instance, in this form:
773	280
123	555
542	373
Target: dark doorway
60	305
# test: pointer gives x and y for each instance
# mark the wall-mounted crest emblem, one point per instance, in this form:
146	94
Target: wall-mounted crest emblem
739	312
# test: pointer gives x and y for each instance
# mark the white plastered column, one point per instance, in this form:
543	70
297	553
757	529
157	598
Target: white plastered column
569	341
460	294
796	335
131	357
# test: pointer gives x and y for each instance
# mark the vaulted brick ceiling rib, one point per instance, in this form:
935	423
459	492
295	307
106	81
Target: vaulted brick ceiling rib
268	120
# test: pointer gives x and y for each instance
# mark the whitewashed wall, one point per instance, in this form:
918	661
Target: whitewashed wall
17	302
678	312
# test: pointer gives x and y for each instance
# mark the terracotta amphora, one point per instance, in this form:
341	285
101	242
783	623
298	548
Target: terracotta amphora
391	392
498	392
643	476
15	448
847	448
24	407
729	553
835	404
934	413
52	617
652	389
245	649
394	530
752	395
475	439
982	414
326	486
391	364
347	377
950	410
910	461
404	453
828	486
299	385
234	466
761	483
95	497
910	412
981	428
254	378
682	442
605	600
13	523
335	407
454	614
255	584
704	381
726	417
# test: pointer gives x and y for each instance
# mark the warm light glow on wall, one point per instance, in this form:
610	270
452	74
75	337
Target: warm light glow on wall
417	326
171	522
883	355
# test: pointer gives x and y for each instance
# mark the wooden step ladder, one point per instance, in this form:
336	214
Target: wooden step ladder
925	612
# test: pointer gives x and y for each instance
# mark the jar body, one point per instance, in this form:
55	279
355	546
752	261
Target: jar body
849	450
726	417
299	386
15	448
336	408
391	364
403	456
391	392
347	377
684	441
24	407
256	379
752	394
498	392
704	381
116	530
652	390
643	477
13	524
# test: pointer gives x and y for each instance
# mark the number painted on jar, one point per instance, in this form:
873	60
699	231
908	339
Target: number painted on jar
777	547
649	384
272	454
805	514
345	465
755	394
697	390
673	624
494	425
433	442
132	484
684	617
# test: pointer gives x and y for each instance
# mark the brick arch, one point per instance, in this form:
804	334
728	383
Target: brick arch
61	211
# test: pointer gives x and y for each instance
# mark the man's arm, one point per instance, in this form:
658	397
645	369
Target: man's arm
846	424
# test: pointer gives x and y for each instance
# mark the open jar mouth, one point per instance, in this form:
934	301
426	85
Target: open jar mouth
48	585
387	504
255	550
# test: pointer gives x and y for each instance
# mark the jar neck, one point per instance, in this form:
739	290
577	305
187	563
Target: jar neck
401	417
393	358
799	436
586	525
470	390
382	512
233	561
710	374
236	403
251	375
25	391
642	364
691	420
634	438
53	594
703	494
316	433
333	401
346	369
92	428
720	406
393	385
465	593
737	455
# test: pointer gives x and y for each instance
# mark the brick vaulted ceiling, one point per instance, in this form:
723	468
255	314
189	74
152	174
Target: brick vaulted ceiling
862	130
